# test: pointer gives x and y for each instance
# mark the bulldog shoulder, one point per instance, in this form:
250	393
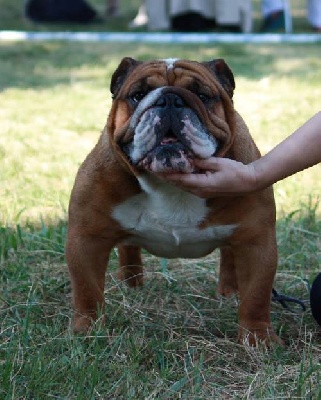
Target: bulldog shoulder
166	221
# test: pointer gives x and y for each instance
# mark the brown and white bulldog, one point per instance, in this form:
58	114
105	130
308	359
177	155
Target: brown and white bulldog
165	114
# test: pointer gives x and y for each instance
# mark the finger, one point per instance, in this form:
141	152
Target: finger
212	163
189	180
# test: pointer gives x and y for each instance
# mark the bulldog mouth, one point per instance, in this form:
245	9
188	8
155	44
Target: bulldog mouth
169	138
170	155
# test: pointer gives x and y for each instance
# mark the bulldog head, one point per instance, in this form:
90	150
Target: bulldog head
167	113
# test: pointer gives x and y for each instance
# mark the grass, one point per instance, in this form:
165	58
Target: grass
172	339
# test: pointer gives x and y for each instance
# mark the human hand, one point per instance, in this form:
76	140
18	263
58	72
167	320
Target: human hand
217	177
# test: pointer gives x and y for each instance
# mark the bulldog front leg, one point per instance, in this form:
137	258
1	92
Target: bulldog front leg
255	270
87	259
130	265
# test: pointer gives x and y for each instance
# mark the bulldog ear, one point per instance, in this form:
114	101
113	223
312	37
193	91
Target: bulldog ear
223	73
125	67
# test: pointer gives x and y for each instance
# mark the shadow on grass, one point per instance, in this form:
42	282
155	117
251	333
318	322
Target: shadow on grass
47	64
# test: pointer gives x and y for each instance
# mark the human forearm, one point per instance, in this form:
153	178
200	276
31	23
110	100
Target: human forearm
299	151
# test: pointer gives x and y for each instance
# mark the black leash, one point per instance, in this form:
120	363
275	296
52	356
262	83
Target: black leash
284	300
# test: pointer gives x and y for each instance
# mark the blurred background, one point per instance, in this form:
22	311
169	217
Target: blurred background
12	17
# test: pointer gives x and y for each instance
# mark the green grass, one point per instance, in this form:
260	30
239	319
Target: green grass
172	339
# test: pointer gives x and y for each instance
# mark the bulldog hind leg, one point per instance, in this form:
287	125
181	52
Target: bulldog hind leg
130	265
227	284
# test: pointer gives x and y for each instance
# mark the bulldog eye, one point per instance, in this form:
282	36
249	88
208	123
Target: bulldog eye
137	97
203	97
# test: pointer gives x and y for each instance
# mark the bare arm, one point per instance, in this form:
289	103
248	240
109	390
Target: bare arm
227	177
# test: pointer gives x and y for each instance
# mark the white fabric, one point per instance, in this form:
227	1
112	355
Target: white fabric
159	11
270	6
234	12
157	15
203	7
314	13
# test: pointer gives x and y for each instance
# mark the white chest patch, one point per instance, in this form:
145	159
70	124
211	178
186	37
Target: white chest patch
165	221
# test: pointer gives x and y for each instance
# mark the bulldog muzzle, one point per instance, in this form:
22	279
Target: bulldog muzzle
167	134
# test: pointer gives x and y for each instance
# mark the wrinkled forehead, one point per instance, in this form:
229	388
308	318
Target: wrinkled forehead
170	62
169	72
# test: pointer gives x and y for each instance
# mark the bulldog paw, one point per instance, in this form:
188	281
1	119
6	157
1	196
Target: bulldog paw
227	289
258	337
81	324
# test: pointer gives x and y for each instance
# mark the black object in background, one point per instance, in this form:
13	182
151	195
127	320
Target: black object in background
77	11
191	22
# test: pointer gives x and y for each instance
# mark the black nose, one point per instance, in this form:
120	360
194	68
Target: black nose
170	100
